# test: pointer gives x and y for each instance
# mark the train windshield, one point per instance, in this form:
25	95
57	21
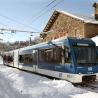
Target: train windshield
85	55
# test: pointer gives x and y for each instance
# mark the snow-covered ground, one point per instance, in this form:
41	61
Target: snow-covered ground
19	84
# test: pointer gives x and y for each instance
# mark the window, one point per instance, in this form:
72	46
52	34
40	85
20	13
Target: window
8	58
4	58
21	58
26	59
67	55
54	58
52	55
85	55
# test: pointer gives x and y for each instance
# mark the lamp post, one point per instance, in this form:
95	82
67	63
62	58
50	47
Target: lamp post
30	40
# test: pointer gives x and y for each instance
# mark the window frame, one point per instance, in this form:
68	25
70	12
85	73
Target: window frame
50	55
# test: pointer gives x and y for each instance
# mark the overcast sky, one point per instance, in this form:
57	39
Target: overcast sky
33	15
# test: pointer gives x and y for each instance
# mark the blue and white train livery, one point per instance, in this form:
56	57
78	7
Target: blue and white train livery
71	59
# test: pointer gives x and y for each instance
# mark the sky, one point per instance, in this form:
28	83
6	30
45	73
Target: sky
33	15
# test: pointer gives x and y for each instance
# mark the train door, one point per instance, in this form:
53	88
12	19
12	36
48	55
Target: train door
10	59
27	59
68	60
1	60
35	59
16	52
4	58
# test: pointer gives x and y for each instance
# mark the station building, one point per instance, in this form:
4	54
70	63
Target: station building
62	24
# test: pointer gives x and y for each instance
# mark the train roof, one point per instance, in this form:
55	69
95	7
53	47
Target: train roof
59	41
56	41
48	44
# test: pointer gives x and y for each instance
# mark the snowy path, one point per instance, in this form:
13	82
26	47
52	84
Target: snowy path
19	84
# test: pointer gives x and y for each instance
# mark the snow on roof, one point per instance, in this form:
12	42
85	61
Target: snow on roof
87	19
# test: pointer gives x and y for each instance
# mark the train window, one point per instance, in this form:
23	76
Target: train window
85	55
8	58
21	58
67	55
4	57
26	59
52	55
58	55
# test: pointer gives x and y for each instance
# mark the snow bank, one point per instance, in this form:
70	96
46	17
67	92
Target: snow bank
35	85
1	60
86	95
19	84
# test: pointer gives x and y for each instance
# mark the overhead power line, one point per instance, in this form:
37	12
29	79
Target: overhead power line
50	3
14	30
44	8
16	21
3	24
22	23
46	11
36	18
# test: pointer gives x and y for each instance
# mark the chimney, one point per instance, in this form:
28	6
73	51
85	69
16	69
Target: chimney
95	5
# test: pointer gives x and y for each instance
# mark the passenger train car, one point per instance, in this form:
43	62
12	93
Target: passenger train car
66	58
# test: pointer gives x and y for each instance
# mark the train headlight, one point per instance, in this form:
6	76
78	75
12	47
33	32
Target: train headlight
79	73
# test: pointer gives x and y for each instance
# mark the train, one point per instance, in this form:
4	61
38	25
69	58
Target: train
65	58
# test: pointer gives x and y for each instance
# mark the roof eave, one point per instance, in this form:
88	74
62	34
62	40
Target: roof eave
56	12
50	20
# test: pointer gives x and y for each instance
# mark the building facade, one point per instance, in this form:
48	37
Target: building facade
66	24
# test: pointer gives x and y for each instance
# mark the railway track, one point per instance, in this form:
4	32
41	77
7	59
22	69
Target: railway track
89	86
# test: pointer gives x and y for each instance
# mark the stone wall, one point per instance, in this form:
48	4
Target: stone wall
91	30
65	26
